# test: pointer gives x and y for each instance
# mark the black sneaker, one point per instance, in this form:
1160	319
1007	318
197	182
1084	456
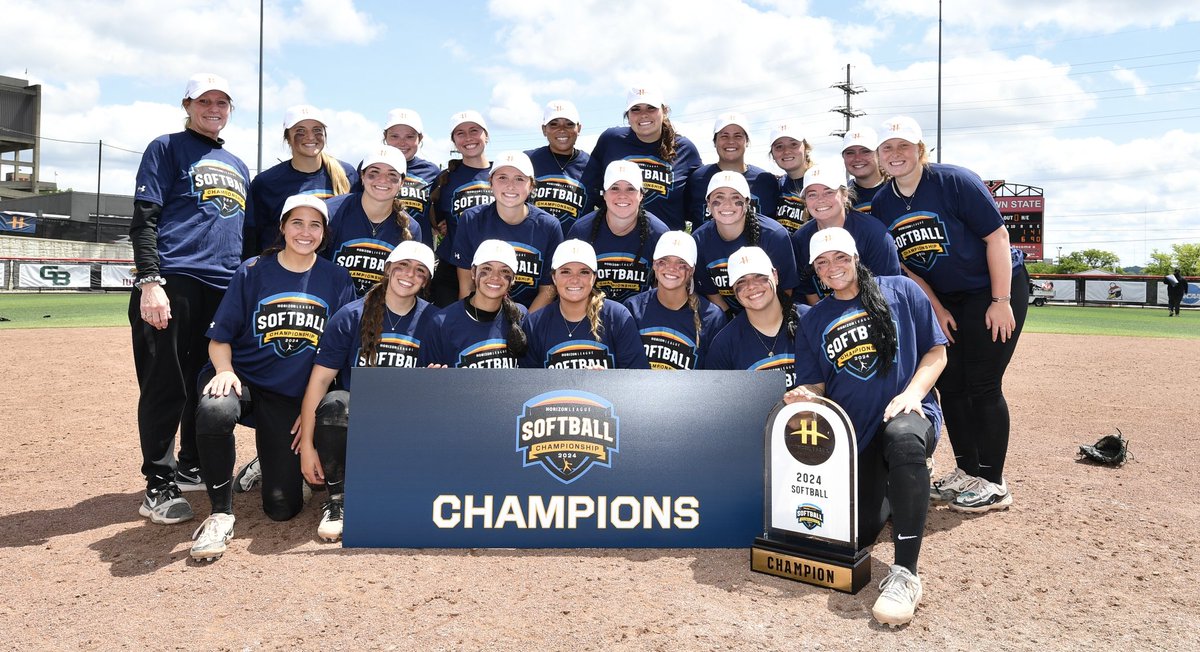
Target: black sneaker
165	505
247	477
330	528
189	479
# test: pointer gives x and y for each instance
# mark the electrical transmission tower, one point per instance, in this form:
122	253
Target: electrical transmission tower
848	111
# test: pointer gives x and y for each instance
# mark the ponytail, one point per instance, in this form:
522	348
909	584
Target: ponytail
666	146
402	219
879	314
595	303
337	175
371	330
517	343
791	320
753	229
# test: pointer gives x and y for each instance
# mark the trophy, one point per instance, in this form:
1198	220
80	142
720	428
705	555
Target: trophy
810	512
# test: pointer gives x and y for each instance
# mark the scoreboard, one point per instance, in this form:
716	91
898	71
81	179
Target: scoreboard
1022	208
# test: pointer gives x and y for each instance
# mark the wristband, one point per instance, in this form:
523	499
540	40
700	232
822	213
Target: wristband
1004	299
153	278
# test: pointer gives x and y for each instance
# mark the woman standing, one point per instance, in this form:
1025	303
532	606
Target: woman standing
731	138
666	158
382	329
188	215
263	341
461	186
621	232
828	202
884	381
761	337
533	232
677	325
1175	292
559	165
792	153
404	130
949	232
862	163
582	329
310	171
733	226
484	329
365	226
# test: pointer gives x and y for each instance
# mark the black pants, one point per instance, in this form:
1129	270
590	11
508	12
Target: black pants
1175	299
167	363
971	386
894	481
329	438
274	414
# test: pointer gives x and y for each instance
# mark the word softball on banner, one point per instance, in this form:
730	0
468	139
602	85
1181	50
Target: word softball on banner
50	275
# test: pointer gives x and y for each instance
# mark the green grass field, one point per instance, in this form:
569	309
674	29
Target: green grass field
84	309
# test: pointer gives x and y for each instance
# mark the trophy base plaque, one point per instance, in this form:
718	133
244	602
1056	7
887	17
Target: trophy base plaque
828	569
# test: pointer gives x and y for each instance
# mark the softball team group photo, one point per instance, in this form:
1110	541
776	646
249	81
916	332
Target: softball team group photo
873	277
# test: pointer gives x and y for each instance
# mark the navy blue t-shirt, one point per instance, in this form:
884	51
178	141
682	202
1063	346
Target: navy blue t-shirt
559	189
838	345
399	342
623	261
202	190
740	346
457	340
713	252
789	211
360	246
875	247
764	191
465	188
669	336
864	197
271	188
534	239
273	319
664	183
555	344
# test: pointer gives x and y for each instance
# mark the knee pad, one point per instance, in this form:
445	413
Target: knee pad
216	415
334	409
907	439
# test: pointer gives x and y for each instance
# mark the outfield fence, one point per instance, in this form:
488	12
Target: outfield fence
65	274
1107	290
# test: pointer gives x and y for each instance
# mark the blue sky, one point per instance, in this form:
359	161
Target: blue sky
1089	99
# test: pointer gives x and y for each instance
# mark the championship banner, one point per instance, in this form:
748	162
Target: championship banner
116	276
811	498
49	275
540	458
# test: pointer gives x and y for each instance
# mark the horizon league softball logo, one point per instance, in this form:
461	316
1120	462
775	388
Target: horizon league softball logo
220	184
810	516
920	239
567	432
290	322
810	438
850	346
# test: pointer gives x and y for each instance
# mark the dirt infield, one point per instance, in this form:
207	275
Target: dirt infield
1087	556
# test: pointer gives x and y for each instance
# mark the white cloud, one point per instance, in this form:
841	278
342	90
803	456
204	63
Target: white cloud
1126	76
1087	16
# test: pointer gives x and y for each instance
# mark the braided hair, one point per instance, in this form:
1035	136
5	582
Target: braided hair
879	315
371	330
643	226
515	338
791	320
402	218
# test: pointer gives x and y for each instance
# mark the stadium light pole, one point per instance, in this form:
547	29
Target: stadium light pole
939	94
258	167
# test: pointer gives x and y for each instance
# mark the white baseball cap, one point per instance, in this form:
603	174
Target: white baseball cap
726	119
782	130
861	136
574	251
406	117
413	250
300	112
497	251
387	155
746	261
623	170
467	116
902	127
296	201
513	159
560	109
824	176
727	179
644	95
203	82
676	243
835	238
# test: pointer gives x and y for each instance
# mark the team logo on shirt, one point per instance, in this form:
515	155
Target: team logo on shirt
477	192
621	275
220	185
290	322
790	210
414	194
579	354
718	273
657	176
785	362
920	239
561	196
850	345
567	432
364	258
529	266
810	516
488	354
668	349
810	439
395	350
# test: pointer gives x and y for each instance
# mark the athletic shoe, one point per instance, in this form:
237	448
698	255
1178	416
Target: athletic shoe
330	528
983	497
950	485
165	505
212	536
899	595
189	479
247	477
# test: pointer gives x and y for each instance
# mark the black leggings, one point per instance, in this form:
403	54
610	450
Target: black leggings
329	438
274	414
971	386
894	481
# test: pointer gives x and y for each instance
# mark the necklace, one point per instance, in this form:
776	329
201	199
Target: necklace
567	325
774	340
907	199
375	227
558	160
393	325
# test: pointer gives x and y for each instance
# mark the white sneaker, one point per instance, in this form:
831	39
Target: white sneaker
950	485
247	477
212	536
330	528
983	497
899	595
